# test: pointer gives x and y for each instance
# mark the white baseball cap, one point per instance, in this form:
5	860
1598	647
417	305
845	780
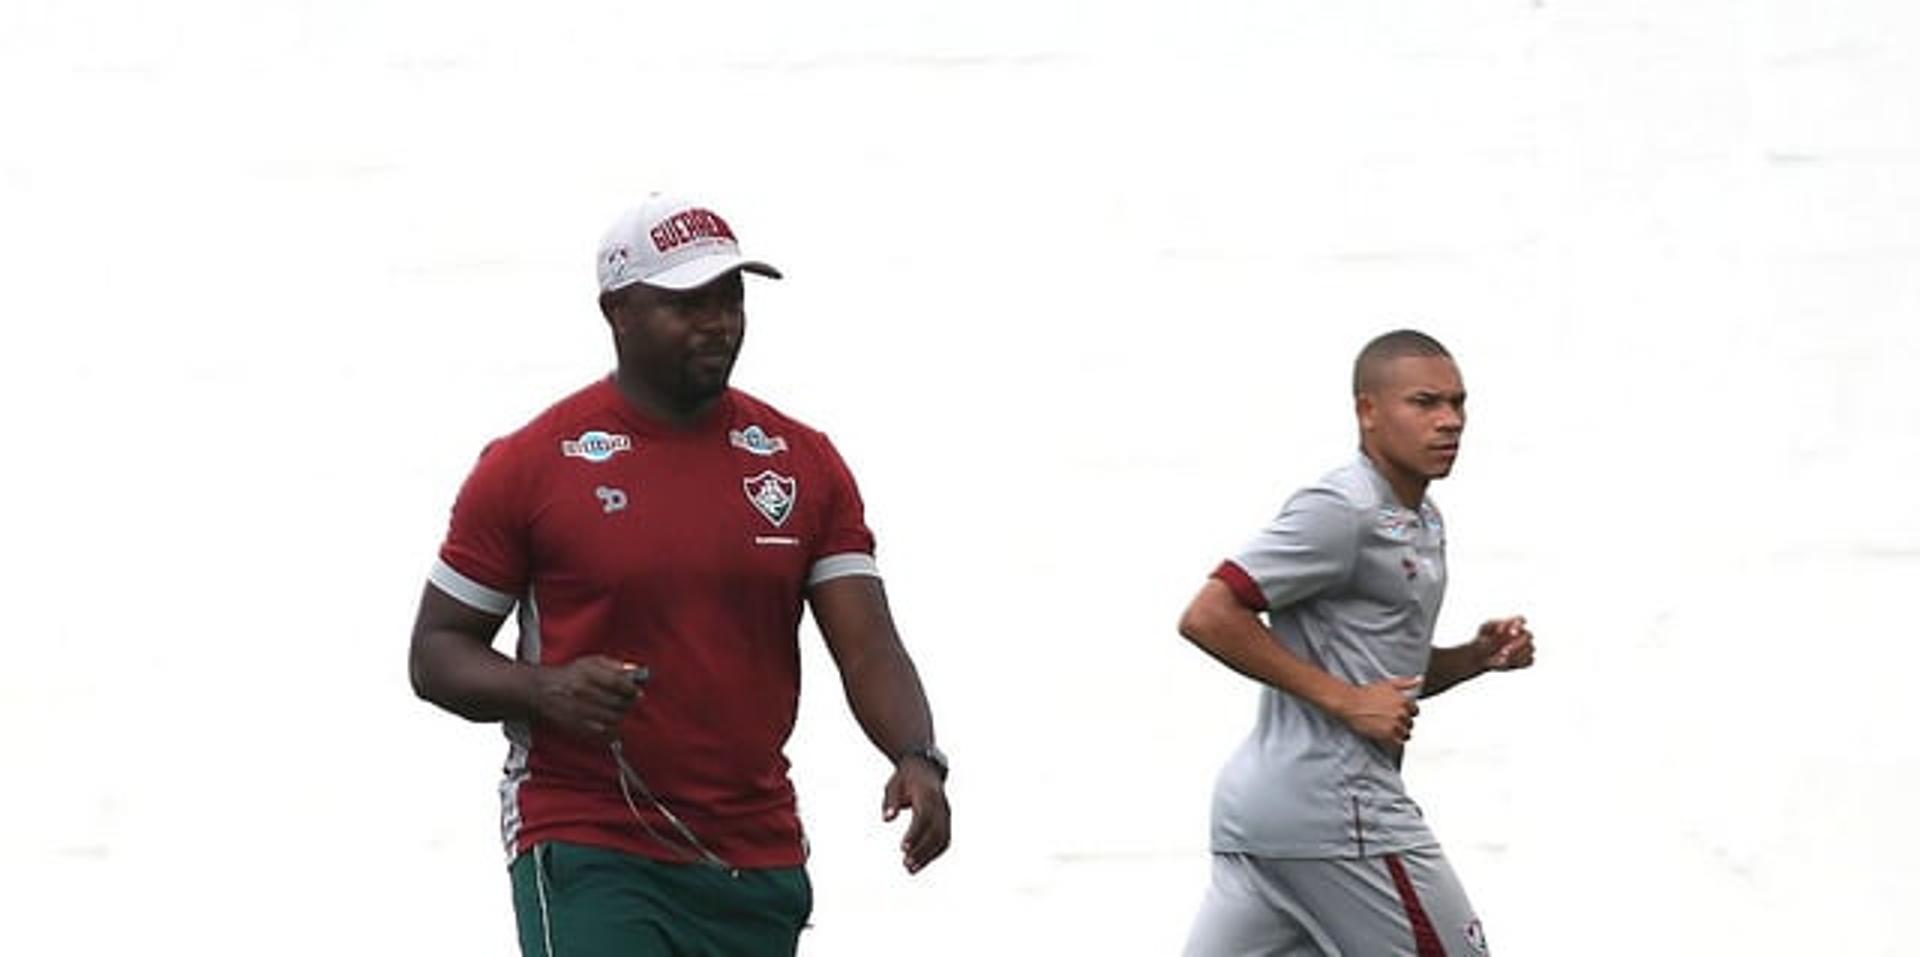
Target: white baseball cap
670	243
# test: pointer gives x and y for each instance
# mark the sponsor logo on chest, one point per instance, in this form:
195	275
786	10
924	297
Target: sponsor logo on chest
755	440
596	446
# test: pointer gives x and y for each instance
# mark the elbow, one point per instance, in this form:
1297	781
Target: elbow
431	686
1214	618
421	677
417	677
445	671
1198	624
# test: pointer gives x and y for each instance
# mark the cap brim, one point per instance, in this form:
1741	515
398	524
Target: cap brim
695	273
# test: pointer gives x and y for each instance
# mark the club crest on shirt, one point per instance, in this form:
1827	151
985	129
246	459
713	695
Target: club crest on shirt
773	494
1394	523
754	439
595	446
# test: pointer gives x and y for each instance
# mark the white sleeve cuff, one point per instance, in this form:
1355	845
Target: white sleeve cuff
467	591
842	566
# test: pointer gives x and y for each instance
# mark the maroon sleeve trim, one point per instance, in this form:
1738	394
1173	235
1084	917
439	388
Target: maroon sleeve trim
1241	584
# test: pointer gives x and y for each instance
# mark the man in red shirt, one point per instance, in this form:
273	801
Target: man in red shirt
656	534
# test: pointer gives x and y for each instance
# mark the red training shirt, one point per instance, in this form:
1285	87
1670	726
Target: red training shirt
685	550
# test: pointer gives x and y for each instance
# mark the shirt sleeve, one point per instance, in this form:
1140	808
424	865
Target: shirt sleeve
484	560
1310	547
845	545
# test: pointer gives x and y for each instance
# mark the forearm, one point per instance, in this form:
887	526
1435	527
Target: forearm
1240	642
1447	667
883	688
470	679
886	697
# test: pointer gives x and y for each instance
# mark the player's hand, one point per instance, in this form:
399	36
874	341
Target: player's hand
916	786
1504	644
1383	710
586	696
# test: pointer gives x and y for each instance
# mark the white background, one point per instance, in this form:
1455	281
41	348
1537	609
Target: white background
1074	286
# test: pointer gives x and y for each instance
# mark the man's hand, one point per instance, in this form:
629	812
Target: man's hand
586	696
1504	644
1382	711
915	785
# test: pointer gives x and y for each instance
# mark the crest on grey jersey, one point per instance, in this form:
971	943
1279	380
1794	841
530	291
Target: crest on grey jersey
772	494
1395	523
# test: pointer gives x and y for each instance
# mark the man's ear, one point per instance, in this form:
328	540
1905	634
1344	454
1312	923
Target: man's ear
1364	410
609	304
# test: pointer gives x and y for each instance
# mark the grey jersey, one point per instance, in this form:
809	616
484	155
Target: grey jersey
1351	581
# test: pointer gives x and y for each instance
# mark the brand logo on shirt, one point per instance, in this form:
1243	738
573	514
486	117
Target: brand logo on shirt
595	446
611	499
755	440
773	494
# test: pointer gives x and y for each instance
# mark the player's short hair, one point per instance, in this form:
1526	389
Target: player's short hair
1397	344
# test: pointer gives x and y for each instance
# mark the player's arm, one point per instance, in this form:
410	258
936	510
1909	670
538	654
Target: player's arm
452	663
1501	644
1231	632
883	689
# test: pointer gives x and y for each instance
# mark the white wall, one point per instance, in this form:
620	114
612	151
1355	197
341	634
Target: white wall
1074	286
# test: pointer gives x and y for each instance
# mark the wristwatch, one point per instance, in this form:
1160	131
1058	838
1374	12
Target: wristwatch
930	754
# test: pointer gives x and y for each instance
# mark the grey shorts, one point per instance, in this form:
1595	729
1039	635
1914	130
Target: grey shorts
1395	905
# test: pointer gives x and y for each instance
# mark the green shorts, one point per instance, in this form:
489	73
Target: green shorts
571	900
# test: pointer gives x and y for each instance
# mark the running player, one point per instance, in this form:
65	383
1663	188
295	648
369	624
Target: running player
1317	849
657	533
